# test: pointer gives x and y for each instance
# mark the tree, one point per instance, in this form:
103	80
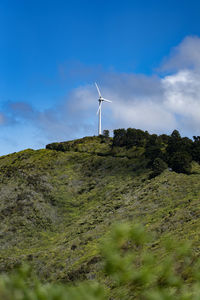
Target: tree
196	149
164	138
136	137
158	167
181	162
119	138
186	145
106	133
153	148
175	134
173	143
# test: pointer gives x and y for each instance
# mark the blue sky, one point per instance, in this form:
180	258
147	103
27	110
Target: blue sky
144	55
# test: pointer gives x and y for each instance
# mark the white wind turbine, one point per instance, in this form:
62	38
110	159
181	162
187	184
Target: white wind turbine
101	99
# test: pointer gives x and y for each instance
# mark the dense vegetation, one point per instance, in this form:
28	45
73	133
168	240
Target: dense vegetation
57	205
161	151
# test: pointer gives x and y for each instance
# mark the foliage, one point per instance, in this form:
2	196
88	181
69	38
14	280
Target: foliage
153	148
163	147
181	162
138	143
17	287
139	272
86	144
178	144
119	138
132	267
106	133
196	149
136	137
175	135
158	167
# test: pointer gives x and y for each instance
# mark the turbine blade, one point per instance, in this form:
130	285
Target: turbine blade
106	100
99	107
98	90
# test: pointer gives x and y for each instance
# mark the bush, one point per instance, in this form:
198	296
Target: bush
139	272
52	146
119	138
106	133
63	146
16	287
178	144
153	148
136	137
158	167
196	149
181	162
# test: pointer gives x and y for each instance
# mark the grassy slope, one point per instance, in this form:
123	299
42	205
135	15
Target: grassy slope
56	206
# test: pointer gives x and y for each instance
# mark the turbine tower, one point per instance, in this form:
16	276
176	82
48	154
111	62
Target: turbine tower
101	99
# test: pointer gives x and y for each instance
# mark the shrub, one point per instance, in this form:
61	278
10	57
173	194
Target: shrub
153	148
119	138
63	146
106	133
178	144
139	272
158	167
196	149
181	162
17	287
136	137
52	146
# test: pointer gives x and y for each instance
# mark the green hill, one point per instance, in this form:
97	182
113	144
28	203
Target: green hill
56	206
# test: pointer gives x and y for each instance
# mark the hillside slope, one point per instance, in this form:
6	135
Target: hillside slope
56	206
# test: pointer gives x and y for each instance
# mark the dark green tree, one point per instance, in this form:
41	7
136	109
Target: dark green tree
153	148
173	143
196	149
106	133
136	137
178	144
119	138
164	138
158	167
175	134
181	162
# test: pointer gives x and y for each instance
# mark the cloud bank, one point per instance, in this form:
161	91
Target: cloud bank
168	99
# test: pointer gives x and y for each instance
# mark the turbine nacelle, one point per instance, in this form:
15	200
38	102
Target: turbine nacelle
103	99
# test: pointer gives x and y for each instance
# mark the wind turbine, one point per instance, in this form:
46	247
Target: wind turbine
101	99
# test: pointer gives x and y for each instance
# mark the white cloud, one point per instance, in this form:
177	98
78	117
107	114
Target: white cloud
182	93
182	98
146	115
184	56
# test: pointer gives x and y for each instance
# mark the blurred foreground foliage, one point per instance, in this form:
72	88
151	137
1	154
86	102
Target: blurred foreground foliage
135	268
18	286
